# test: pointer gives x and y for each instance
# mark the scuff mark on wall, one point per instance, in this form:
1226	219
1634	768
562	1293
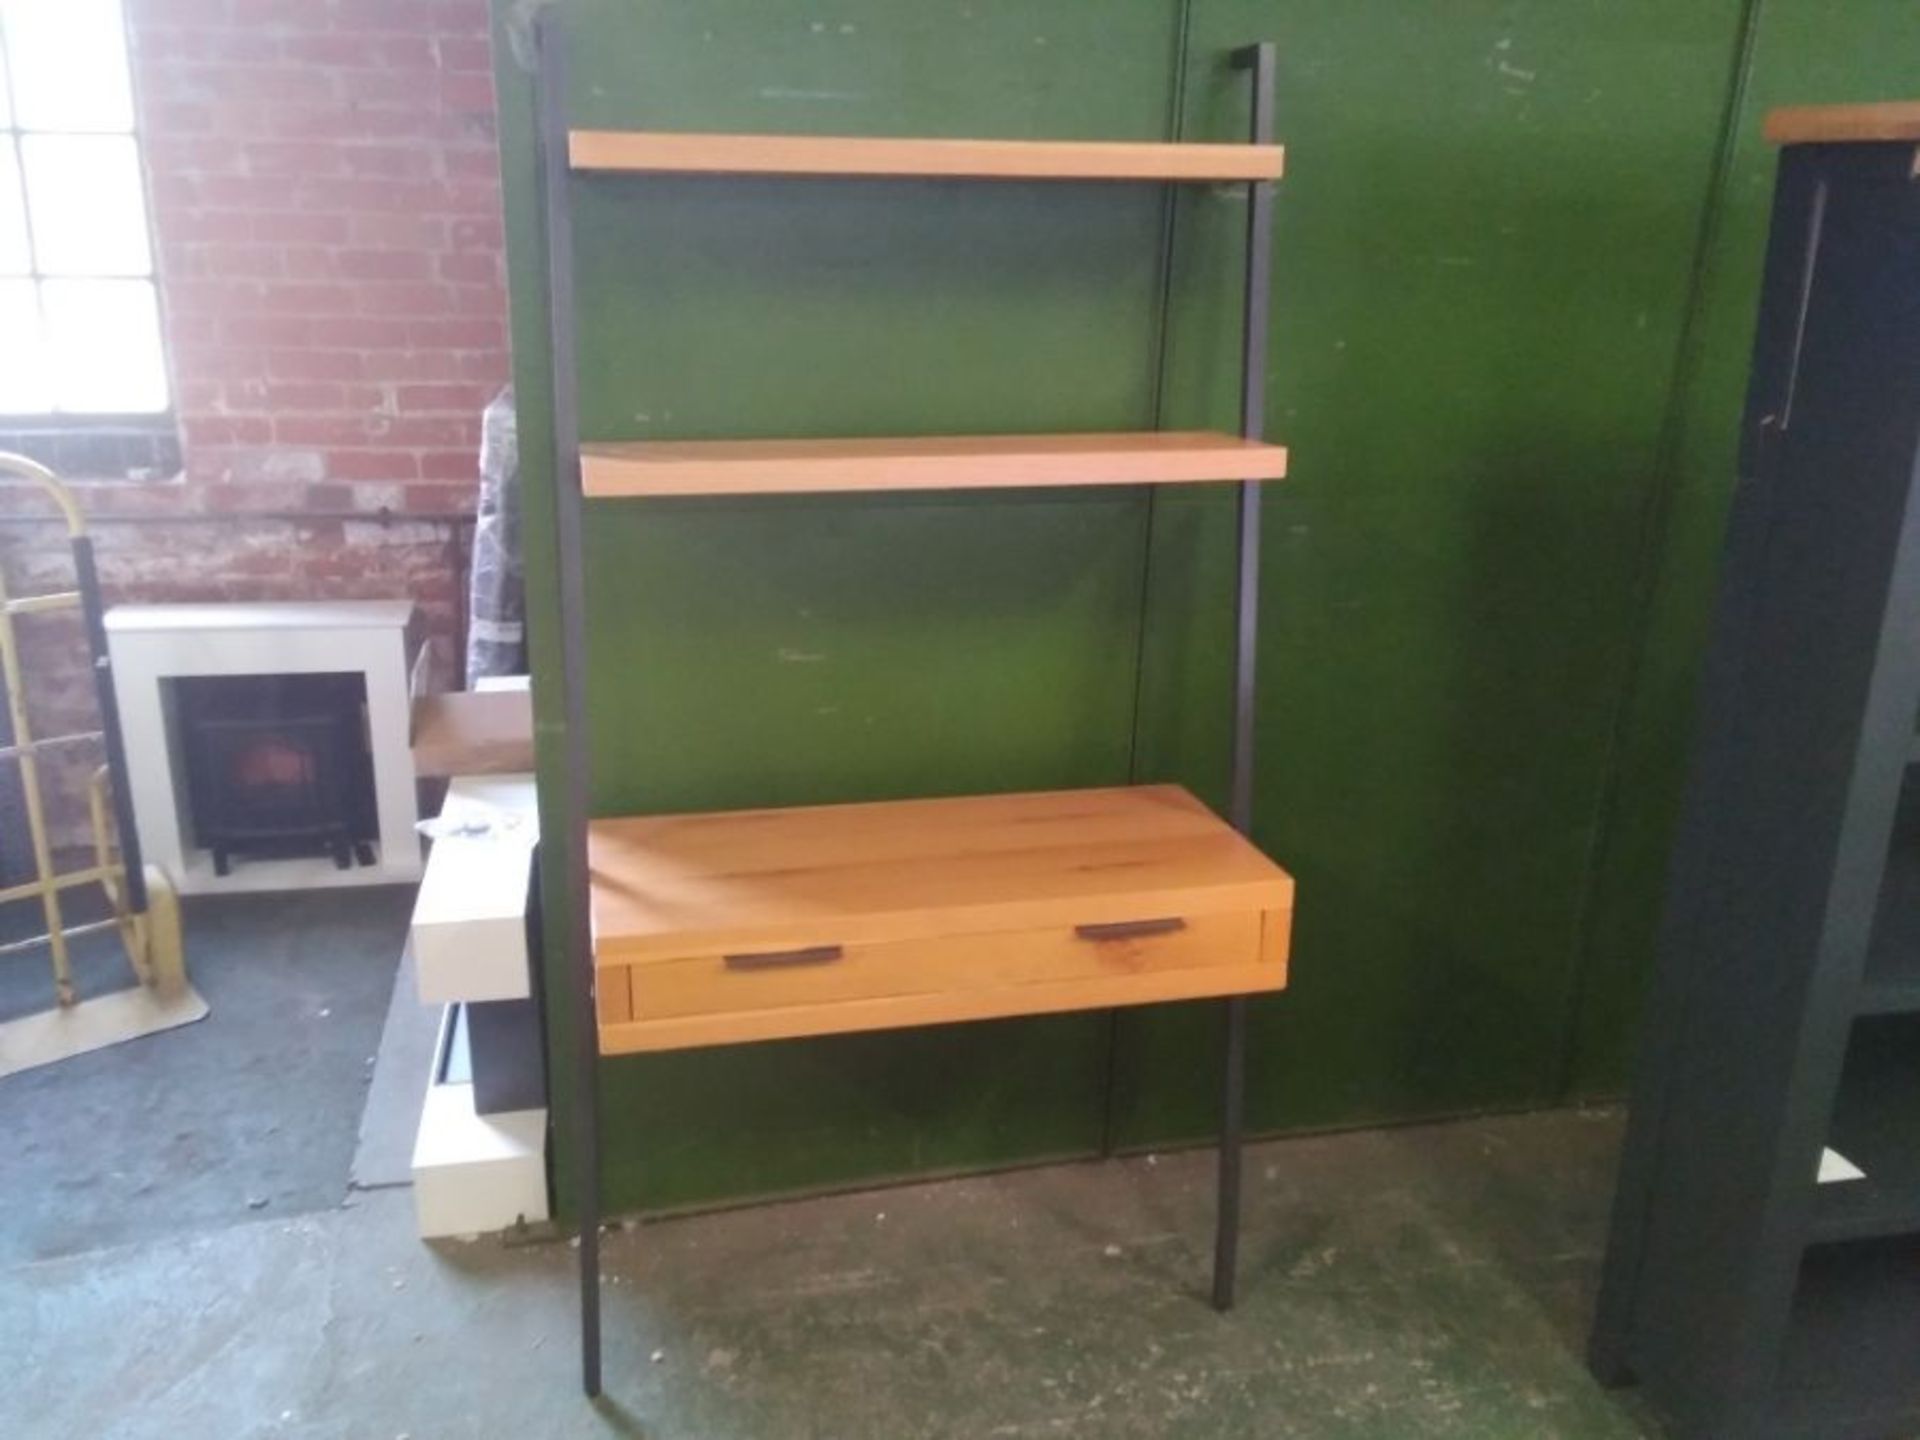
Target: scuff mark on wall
782	92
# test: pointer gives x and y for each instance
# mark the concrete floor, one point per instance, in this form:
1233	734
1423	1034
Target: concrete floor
1415	1283
251	1112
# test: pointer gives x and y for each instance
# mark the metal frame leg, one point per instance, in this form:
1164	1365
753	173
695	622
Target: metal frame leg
1226	1239
1260	59
556	174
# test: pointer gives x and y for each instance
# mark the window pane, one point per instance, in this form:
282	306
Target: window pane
6	100
13	215
89	215
69	64
23	360
105	341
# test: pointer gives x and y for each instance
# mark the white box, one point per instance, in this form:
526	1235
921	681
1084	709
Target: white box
477	1173
469	934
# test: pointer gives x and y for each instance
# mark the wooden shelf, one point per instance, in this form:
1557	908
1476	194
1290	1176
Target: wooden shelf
760	924
707	154
1897	120
958	462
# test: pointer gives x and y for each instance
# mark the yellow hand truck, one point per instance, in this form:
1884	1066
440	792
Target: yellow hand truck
144	908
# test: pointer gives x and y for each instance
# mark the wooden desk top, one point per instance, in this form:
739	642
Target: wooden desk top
666	887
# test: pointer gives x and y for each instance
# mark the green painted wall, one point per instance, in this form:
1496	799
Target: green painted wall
1506	231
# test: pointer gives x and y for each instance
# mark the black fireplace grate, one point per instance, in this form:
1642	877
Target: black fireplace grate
278	765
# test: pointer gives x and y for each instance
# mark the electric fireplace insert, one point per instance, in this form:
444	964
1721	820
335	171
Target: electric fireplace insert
278	765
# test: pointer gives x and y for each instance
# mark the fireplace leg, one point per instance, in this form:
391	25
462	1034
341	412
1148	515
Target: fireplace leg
362	852
222	865
342	855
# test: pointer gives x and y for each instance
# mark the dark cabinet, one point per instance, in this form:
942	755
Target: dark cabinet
1749	1296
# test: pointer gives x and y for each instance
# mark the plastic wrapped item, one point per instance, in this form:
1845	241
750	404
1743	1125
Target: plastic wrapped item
497	606
478	820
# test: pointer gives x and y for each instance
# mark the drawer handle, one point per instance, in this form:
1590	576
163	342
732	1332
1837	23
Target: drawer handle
1130	929
777	959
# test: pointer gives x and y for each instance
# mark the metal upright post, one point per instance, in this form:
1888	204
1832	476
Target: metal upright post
571	843
1253	385
134	877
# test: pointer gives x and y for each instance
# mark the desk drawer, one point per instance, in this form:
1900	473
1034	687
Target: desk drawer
824	987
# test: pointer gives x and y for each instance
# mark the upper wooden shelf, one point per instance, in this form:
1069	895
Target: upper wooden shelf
707	154
1830	124
762	924
956	462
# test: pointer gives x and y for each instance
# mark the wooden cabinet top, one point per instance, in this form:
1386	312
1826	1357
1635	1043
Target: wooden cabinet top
1832	124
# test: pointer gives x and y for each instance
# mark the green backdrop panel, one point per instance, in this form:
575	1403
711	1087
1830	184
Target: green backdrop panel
1483	251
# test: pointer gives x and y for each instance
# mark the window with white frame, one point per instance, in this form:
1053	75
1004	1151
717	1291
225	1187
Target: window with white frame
79	312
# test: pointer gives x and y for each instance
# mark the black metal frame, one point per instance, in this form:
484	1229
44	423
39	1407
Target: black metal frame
555	175
93	619
571	842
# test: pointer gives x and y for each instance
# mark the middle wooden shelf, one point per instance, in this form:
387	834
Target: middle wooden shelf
713	929
612	469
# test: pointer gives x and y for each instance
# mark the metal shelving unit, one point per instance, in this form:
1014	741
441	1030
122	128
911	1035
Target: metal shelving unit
1212	919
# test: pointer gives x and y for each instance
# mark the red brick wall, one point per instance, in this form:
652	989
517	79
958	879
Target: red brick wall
327	200
326	212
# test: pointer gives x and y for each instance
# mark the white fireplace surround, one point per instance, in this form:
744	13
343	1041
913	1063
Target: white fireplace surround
152	644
